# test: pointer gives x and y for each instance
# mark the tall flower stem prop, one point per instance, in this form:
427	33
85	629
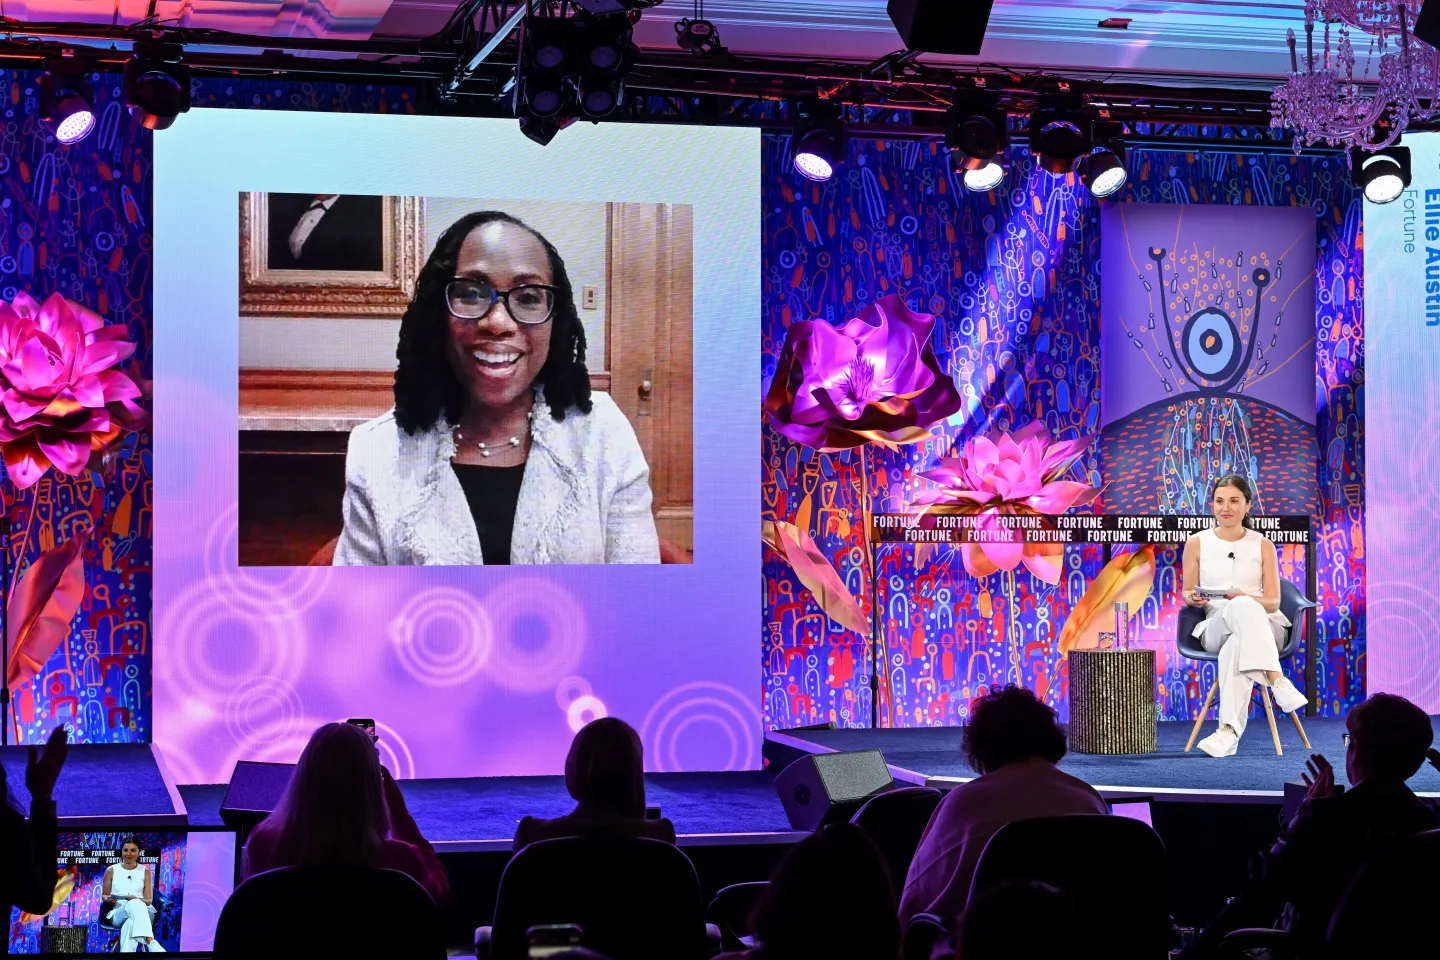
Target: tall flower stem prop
873	379
64	403
1010	475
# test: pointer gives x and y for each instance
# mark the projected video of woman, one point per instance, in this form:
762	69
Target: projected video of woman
496	451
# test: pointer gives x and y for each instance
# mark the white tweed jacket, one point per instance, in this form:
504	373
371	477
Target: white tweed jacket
585	497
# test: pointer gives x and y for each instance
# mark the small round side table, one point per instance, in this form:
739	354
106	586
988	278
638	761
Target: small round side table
1112	701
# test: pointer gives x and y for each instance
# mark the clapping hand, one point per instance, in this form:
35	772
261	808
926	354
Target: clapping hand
43	769
1319	777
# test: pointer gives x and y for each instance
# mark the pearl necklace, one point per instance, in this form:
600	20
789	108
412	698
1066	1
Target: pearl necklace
487	449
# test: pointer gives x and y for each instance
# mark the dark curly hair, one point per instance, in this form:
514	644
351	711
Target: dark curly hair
1009	725
427	389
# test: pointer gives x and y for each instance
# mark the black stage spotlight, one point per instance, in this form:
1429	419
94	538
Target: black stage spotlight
606	46
157	85
976	136
547	58
1059	132
1103	171
543	129
819	141
1383	175
65	103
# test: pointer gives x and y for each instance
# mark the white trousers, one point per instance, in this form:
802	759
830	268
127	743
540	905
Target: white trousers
137	915
1249	644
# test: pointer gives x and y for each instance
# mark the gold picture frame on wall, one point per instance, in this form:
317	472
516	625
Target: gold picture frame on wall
331	255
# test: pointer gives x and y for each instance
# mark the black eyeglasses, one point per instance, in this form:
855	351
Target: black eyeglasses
529	303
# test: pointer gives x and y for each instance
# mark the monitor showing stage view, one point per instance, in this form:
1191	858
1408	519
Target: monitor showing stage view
429	345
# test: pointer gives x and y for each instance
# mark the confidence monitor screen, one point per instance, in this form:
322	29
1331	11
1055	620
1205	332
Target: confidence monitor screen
456	432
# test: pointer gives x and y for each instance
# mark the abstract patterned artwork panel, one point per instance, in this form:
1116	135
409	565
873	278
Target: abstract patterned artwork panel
1014	279
1208	345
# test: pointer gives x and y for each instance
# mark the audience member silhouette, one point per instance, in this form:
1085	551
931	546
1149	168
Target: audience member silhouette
1022	921
1334	833
605	774
342	808
31	847
1014	742
829	899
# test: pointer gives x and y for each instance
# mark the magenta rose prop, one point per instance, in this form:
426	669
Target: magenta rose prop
62	395
1012	474
873	378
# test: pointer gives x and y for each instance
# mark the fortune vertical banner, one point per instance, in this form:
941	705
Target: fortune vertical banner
1208	356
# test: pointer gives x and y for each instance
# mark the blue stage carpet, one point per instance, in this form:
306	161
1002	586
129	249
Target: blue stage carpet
489	808
935	752
99	780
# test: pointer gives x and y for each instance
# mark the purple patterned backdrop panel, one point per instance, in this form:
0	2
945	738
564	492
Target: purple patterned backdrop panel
1014	279
1207	335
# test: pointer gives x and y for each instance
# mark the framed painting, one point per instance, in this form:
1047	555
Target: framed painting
329	255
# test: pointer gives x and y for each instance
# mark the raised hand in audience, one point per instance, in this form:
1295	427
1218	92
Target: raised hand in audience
1433	756
43	769
1319	777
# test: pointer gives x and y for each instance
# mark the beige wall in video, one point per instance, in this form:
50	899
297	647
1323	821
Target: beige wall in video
578	230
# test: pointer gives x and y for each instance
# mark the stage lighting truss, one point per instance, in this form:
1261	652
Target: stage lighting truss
1103	169
976	136
66	104
1060	132
157	85
573	66
1383	175
819	141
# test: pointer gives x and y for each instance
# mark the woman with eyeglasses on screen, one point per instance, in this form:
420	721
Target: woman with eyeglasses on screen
496	451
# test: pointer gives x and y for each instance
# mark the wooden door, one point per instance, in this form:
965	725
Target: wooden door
650	332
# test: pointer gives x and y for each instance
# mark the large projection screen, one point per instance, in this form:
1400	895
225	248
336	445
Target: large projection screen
468	670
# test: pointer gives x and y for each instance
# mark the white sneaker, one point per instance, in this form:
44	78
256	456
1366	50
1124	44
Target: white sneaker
1287	698
1221	743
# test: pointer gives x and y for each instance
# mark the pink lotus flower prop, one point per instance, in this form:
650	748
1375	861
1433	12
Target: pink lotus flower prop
873	378
1013	474
62	395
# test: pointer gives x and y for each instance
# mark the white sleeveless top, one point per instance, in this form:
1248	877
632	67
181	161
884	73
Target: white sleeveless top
1227	567
127	883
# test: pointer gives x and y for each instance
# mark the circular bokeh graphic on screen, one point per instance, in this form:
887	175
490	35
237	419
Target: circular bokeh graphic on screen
210	648
1404	618
263	709
442	637
702	726
540	634
255	588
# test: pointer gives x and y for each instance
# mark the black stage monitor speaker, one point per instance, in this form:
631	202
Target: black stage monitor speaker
941	26
255	789
1427	24
826	787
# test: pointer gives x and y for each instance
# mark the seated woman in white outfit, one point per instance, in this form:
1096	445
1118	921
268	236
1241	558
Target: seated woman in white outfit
1233	572
129	889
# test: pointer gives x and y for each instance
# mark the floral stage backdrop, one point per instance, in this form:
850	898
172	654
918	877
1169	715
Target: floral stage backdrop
1012	277
1014	280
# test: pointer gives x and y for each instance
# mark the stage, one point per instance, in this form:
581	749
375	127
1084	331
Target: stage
931	757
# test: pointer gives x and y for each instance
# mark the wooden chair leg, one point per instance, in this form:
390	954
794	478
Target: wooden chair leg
1303	739
1200	718
1270	715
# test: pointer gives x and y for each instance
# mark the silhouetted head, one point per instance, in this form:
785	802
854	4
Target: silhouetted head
829	899
605	769
1009	725
1389	736
333	811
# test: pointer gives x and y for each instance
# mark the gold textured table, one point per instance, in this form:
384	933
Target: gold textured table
64	939
1112	701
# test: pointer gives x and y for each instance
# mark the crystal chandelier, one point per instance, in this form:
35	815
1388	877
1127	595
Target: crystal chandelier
1329	101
